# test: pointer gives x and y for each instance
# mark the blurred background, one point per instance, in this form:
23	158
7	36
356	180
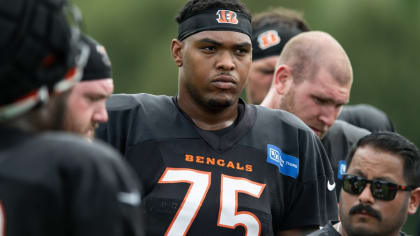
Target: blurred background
381	37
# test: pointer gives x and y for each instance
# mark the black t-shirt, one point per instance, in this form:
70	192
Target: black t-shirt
329	230
268	173
367	117
57	184
337	143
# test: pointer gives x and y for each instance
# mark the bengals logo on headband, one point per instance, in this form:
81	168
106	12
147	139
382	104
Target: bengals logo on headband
227	17
268	39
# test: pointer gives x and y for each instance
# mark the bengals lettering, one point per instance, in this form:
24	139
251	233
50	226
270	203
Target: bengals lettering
219	162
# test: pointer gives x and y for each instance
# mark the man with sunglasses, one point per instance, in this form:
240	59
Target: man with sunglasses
380	187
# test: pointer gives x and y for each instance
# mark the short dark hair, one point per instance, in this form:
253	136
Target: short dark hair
193	7
393	143
287	18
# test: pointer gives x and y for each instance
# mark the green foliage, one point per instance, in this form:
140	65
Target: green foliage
381	38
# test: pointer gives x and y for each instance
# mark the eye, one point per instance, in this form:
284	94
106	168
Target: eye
320	101
267	72
242	51
93	98
208	49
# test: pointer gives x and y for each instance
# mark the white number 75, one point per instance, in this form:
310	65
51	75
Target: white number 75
200	182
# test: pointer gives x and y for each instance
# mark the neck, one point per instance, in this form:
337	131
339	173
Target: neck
271	100
32	121
208	119
342	231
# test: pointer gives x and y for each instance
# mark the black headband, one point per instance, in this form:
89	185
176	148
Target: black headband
270	40
215	20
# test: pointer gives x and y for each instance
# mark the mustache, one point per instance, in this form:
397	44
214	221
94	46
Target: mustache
366	209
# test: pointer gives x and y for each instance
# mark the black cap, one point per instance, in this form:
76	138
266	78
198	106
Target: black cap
98	65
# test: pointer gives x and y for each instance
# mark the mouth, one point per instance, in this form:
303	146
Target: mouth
316	131
224	82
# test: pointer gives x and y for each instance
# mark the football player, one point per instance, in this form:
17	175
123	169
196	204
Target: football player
85	107
211	164
52	183
271	29
312	80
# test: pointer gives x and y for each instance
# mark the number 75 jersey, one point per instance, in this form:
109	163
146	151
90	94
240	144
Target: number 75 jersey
266	173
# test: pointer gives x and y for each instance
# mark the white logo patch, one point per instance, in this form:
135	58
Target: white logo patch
330	187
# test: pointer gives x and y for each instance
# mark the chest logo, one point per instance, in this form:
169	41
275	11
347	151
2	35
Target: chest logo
341	169
288	165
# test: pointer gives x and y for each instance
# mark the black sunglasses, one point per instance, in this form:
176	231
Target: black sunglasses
380	189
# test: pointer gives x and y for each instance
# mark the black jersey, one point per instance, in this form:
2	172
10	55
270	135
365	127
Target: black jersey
418	227
327	230
337	143
55	184
367	117
267	173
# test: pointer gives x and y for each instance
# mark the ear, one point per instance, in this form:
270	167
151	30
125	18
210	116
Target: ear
414	201
176	51
282	79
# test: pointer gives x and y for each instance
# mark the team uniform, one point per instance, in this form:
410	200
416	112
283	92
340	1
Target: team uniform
337	143
265	173
367	117
56	184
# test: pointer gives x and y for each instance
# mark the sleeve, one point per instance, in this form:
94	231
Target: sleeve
311	199
104	197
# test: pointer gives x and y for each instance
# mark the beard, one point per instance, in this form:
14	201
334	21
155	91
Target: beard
288	101
389	226
211	104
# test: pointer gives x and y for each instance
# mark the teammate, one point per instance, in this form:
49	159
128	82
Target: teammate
367	117
209	162
313	79
271	30
381	187
52	183
85	107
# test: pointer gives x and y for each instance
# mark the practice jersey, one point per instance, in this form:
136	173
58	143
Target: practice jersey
337	143
55	184
266	173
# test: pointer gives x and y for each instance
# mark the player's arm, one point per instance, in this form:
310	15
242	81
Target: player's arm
104	195
311	198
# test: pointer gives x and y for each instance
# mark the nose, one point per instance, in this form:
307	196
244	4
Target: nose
225	61
366	196
100	114
329	114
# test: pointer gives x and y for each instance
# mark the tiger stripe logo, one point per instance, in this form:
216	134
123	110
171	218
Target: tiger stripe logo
268	39
227	17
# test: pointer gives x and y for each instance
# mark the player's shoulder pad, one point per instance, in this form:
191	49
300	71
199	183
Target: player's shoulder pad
276	116
72	148
130	101
349	131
